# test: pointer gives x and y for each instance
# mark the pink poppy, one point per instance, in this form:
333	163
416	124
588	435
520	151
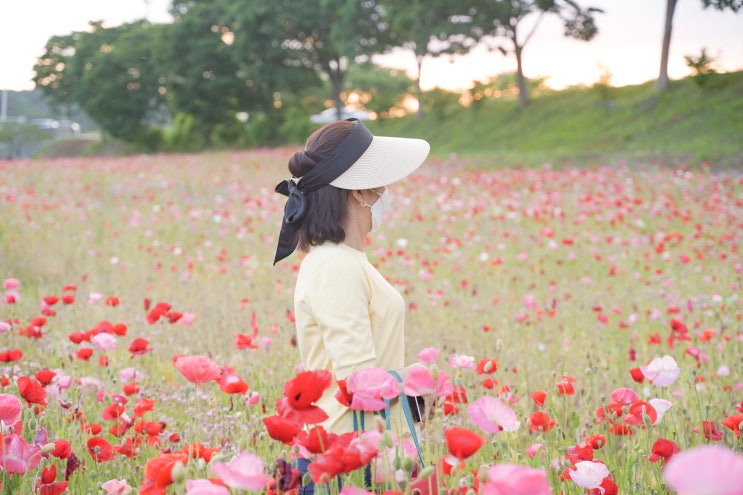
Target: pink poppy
186	319
104	341
534	449
660	406
624	396
197	369
661	371
514	479
428	355
244	472
708	469
461	361
369	387
420	382
492	416
10	409
11	284
18	456
4	327
588	474
205	487
130	375
116	487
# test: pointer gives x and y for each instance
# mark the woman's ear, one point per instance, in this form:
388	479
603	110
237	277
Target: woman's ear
358	196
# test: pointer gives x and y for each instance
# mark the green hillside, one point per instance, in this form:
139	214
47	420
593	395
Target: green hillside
688	125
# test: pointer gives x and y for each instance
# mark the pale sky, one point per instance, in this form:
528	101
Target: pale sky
628	43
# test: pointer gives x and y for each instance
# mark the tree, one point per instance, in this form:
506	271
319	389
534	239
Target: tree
323	35
505	18
661	84
427	28
201	74
108	72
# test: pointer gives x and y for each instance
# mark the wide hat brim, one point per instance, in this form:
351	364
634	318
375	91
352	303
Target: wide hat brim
386	161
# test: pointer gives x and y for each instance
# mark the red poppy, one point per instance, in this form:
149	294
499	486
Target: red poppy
565	388
46	484
538	397
607	487
343	456
130	389
158	473
663	449
541	421
62	449
463	443
51	300
112	301
638	411
77	337
230	383
142	406
31	391
138	347
343	395
578	453
316	440
158	311
281	429
734	423
99	449
637	375
149	428
8	356
620	429
197	450
129	447
45	377
597	441
113	411
38	321
68	299
299	395
119	329
487	366
452	401
84	353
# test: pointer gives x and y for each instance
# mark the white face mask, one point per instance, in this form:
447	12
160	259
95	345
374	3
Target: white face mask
379	208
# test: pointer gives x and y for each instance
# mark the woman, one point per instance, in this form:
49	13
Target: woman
348	316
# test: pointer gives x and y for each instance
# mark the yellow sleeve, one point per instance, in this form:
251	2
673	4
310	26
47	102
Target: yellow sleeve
340	304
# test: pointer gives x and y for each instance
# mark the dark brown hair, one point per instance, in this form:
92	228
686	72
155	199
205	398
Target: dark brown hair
327	207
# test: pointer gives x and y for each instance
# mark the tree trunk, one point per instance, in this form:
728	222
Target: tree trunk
418	90
520	79
662	83
336	83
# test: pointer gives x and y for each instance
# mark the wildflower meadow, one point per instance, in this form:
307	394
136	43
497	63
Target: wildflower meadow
581	331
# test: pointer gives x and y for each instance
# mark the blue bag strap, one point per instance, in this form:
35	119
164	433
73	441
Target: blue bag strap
409	417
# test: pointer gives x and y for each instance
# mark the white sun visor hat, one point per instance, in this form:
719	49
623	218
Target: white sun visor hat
386	161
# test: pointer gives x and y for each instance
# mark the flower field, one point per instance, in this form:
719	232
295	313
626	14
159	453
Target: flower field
581	331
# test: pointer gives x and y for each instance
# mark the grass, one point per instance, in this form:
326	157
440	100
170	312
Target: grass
687	125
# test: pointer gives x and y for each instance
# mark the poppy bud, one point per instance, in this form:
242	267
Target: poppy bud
408	464
47	448
426	472
178	472
482	473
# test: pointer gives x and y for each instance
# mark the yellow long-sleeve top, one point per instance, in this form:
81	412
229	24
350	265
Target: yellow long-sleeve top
348	317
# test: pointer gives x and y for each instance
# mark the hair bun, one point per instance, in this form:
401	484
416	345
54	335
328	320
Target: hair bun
300	164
